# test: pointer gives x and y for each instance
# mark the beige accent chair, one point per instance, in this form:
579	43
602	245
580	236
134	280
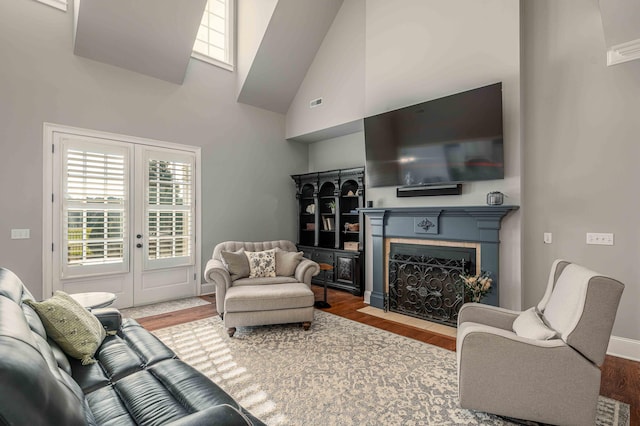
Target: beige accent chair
553	379
262	301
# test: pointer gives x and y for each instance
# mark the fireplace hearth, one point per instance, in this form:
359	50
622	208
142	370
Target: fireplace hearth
424	280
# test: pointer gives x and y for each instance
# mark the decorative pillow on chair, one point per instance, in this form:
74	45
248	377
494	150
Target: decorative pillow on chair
77	331
287	262
530	325
237	264
261	263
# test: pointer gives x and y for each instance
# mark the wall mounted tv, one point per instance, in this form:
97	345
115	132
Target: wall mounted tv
448	140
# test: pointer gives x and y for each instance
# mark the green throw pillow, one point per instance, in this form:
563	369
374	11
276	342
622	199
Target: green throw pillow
77	331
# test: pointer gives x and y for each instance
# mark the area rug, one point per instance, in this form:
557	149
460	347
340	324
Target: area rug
339	373
162	307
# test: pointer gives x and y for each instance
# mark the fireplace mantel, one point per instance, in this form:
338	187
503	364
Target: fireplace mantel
478	224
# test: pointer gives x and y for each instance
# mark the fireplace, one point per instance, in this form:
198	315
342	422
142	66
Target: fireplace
423	278
475	227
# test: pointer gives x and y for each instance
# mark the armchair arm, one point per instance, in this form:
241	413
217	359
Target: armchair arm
488	315
542	380
215	272
305	270
110	318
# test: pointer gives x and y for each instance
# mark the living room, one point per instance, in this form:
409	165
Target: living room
568	125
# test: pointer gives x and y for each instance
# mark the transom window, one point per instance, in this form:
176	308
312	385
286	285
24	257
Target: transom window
214	42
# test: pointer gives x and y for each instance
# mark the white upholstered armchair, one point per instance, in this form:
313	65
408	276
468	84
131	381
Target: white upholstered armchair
282	296
542	364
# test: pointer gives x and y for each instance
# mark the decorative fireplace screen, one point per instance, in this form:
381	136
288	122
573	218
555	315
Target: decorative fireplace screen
424	281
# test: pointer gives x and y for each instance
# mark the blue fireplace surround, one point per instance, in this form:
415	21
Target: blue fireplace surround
474	224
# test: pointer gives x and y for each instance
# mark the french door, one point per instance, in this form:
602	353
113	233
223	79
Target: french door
123	218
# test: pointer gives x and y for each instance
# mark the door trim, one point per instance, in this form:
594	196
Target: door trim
48	158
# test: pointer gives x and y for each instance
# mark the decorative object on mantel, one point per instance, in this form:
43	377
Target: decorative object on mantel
495	198
426	225
476	286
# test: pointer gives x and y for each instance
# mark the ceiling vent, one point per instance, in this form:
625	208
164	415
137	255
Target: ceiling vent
315	103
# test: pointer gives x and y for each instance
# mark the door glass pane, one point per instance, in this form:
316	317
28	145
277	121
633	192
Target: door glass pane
169	209
94	204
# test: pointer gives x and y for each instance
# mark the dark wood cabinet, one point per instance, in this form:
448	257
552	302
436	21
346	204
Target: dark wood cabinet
330	224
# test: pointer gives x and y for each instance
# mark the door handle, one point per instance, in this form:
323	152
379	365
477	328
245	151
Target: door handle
139	245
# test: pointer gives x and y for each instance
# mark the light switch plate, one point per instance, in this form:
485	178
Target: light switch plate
600	238
20	234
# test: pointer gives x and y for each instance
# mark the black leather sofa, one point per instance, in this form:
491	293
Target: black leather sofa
136	381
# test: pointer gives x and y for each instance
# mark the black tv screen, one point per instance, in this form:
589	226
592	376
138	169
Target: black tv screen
448	140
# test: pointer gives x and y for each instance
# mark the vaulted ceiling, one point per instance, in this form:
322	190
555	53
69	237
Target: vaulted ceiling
155	37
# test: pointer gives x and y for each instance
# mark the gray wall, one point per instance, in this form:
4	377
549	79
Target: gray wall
581	151
422	50
247	193
338	153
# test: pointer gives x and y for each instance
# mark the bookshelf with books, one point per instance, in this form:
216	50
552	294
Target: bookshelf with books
329	203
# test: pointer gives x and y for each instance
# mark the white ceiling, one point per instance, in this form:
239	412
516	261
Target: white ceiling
153	37
293	36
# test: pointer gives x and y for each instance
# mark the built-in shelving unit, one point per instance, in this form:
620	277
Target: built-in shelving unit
330	224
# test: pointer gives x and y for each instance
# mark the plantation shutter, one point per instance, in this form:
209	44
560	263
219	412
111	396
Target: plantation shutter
169	209
95	207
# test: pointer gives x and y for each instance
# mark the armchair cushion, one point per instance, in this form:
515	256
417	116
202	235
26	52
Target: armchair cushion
287	262
530	325
262	263
236	263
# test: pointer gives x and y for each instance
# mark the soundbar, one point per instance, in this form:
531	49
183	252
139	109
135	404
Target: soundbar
429	190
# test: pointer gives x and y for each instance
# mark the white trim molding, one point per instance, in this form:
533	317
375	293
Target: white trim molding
624	348
58	4
623	52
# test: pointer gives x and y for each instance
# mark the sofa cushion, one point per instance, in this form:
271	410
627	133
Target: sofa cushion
237	264
268	298
261	263
530	325
74	328
287	262
34	389
264	281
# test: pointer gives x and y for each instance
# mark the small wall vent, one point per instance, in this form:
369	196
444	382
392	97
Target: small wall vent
316	102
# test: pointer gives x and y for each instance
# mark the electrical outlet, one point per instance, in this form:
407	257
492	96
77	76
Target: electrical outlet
548	238
603	239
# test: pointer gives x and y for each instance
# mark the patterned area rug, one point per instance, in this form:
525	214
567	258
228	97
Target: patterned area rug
162	307
339	373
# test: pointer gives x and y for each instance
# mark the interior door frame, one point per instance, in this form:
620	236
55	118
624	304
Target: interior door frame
48	185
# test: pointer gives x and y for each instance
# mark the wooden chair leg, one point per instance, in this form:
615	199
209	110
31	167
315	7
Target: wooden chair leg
231	331
306	325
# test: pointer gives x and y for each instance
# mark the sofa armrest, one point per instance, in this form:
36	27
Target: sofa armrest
488	315
305	270
218	415
215	272
110	318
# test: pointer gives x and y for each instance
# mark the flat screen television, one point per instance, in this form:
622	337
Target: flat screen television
450	140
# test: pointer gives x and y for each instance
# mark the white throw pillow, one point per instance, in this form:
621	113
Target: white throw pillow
530	325
262	263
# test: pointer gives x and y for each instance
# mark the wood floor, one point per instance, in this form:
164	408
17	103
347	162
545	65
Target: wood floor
620	377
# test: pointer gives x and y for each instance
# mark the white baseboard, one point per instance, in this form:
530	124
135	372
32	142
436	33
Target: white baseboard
624	348
367	297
